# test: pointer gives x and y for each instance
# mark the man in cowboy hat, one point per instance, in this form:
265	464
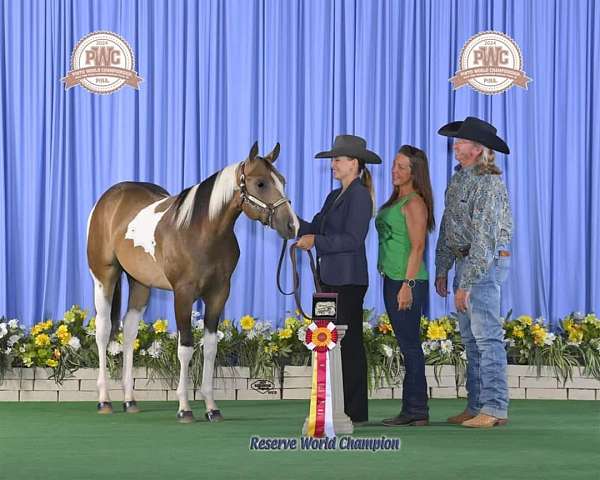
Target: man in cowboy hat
338	232
474	234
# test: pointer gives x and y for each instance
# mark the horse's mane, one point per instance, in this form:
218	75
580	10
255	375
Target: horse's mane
209	196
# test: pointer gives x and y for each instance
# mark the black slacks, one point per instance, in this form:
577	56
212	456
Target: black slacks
354	359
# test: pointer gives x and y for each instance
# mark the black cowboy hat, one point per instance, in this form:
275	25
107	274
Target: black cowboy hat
472	128
350	146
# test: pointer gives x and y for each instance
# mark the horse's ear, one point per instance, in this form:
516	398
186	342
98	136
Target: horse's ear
253	151
271	157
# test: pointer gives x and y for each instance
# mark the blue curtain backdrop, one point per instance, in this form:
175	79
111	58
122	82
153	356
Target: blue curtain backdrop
219	75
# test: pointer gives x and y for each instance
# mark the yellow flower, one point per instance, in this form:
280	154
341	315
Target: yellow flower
286	333
307	322
142	326
51	363
525	320
120	338
41	327
42	340
518	332
435	331
160	326
92	324
136	344
226	324
247	322
539	334
271	348
385	328
291	322
63	334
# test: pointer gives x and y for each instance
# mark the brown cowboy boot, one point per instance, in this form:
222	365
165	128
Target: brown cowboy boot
460	418
484	421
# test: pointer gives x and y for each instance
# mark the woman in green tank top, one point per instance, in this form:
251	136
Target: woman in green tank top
402	224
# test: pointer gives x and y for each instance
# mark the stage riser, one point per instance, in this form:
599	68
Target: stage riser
33	384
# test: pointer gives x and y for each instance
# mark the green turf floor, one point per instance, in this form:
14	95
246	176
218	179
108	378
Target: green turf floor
544	439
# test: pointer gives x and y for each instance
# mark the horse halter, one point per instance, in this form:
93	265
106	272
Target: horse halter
257	202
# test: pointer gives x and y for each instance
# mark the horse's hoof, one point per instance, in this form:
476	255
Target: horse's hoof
131	407
104	408
185	416
214	416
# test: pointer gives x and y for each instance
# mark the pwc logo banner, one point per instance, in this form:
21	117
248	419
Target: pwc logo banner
490	62
102	62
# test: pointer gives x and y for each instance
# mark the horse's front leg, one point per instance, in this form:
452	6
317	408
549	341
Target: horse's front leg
183	312
214	306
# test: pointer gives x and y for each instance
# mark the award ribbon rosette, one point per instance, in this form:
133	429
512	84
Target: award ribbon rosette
321	336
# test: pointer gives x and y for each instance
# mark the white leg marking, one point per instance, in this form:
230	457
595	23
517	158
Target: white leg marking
185	355
210	353
130	330
102	336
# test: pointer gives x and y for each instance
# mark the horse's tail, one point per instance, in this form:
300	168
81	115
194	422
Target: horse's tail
115	309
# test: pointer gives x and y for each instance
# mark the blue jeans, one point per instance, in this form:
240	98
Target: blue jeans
483	337
406	325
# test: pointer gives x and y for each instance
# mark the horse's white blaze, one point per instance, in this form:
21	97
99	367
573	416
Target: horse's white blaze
210	353
143	227
281	190
184	217
185	355
102	336
130	330
223	190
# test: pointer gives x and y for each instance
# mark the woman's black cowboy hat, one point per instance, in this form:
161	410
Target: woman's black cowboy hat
472	128
350	146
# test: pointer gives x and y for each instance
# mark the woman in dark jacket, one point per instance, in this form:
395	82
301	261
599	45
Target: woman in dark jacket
338	232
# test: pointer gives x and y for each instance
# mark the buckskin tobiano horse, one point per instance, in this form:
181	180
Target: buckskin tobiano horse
184	243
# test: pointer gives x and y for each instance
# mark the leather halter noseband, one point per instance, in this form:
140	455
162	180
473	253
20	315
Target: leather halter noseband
257	202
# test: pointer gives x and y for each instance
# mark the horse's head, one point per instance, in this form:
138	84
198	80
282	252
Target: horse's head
263	193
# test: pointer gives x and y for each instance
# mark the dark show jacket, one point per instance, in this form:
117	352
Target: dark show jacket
340	230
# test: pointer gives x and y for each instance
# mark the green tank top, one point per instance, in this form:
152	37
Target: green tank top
394	242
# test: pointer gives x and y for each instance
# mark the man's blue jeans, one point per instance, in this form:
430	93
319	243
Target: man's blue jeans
483	337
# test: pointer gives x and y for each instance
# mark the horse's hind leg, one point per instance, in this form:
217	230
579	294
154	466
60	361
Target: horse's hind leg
214	306
104	289
138	299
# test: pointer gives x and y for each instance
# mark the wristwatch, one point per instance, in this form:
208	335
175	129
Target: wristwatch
411	283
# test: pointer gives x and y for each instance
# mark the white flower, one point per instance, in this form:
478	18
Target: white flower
75	343
366	327
510	342
228	335
3	329
387	351
114	348
220	335
425	348
574	344
13	339
260	328
434	345
463	355
8	350
155	349
198	323
301	334
143	352
549	340
22	349
14	323
446	346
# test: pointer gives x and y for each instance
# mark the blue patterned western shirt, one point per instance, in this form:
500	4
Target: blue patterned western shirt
478	217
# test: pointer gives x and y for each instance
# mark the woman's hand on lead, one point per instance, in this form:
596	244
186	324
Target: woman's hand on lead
405	297
306	242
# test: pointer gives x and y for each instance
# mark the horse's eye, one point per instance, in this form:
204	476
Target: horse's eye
261	184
